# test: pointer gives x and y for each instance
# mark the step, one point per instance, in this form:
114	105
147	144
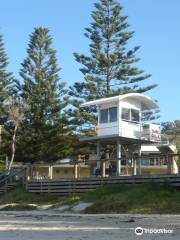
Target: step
8	187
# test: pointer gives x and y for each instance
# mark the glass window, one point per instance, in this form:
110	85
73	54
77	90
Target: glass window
152	162
113	114
104	116
135	115
125	114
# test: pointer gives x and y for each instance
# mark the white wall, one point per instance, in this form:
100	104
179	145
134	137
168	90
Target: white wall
127	128
110	128
121	128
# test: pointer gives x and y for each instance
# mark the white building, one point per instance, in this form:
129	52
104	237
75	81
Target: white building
120	122
121	116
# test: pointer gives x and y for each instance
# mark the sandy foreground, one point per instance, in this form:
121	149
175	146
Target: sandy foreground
51	225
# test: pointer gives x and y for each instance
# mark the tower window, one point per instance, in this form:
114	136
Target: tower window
135	115
113	114
125	114
104	116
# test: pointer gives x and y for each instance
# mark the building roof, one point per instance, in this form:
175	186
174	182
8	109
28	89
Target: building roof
149	149
114	138
158	148
146	102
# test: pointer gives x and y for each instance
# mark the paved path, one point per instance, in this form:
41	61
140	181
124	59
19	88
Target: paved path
51	225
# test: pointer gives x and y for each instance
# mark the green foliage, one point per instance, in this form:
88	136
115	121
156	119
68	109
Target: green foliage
20	195
8	87
8	84
172	130
110	67
2	166
146	198
45	131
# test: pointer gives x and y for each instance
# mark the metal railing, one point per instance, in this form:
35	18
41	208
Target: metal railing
7	177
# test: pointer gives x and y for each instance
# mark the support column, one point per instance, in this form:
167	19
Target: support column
139	162
75	170
98	157
168	164
28	173
118	163
103	168
50	172
134	167
174	165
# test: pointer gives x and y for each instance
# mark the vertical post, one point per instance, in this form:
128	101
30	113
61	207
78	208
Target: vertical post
31	172
103	168
174	165
139	162
6	163
168	163
98	157
107	162
134	167
75	170
118	163
27	173
50	172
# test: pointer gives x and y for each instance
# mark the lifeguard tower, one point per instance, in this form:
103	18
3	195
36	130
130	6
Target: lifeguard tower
119	122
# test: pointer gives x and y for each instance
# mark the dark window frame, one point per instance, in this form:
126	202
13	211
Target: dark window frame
138	115
111	117
106	120
129	112
123	117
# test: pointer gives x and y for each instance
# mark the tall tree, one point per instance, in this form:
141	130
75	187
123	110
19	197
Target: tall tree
7	81
45	130
172	130
8	88
110	67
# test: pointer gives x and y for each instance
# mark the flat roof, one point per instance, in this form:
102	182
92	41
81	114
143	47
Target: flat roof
146	102
114	138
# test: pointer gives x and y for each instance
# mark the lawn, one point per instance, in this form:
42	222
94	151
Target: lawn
149	198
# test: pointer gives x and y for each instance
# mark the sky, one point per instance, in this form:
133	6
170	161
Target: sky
157	30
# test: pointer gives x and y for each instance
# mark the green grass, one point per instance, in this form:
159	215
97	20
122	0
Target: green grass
22	197
147	198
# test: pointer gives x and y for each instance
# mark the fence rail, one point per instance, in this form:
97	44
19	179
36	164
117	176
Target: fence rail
65	187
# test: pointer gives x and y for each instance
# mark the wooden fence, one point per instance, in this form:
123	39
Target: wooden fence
66	187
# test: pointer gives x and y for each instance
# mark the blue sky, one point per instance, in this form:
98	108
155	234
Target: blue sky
157	30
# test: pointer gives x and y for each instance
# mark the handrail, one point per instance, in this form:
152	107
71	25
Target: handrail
10	175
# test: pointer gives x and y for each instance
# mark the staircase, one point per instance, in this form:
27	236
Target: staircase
10	181
7	187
